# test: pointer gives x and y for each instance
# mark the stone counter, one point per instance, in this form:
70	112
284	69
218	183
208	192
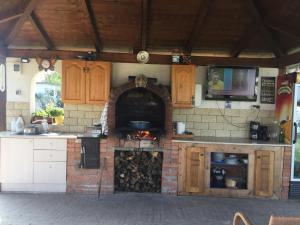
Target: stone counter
9	134
230	141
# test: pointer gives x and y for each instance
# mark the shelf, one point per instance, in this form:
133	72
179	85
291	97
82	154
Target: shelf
226	164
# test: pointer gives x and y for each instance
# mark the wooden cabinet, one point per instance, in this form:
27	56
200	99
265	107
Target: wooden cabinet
192	170
183	85
264	173
85	82
16	161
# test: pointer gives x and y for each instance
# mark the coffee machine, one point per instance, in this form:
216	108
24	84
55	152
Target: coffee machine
258	131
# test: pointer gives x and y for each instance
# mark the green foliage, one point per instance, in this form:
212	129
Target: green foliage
53	78
50	111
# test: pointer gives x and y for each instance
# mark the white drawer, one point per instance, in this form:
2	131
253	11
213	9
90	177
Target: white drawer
51	144
49	156
49	172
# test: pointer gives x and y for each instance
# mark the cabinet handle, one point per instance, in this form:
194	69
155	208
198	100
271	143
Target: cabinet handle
50	167
50	155
193	100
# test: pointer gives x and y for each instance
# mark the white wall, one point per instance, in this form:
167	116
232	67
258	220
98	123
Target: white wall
120	73
22	80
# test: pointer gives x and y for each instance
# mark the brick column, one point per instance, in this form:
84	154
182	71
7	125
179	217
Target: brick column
286	172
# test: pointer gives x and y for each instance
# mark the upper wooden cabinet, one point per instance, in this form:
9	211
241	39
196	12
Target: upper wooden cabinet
85	82
183	85
264	173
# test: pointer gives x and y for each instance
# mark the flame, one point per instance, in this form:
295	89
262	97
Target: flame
145	134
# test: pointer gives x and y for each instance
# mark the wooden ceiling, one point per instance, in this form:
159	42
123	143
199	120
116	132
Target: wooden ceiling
211	28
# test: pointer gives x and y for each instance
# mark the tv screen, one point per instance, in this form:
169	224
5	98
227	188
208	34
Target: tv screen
231	83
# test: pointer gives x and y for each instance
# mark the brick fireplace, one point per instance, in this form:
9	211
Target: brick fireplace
87	180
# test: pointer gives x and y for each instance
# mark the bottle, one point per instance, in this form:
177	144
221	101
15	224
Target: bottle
13	125
19	125
45	126
281	135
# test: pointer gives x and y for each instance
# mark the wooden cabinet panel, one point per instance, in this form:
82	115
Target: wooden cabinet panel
183	85
98	82
73	81
264	173
195	170
16	160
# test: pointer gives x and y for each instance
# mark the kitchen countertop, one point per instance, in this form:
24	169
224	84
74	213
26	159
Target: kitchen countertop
230	140
59	135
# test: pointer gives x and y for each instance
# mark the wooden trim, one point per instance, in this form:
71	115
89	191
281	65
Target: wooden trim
42	32
268	36
28	10
9	18
289	60
198	24
154	58
89	14
282	29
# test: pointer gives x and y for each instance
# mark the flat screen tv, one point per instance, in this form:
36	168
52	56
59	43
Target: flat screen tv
231	83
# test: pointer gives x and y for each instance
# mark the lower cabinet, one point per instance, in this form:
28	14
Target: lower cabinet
230	171
33	164
195	170
264	173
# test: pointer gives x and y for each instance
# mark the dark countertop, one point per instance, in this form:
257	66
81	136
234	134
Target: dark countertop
229	140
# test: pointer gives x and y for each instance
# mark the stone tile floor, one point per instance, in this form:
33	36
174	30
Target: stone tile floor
135	209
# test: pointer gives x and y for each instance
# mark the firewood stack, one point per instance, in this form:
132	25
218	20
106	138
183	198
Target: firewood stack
138	171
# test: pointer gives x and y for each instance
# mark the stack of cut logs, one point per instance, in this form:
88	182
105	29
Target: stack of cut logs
138	171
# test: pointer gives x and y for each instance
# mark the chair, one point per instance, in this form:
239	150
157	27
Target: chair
274	220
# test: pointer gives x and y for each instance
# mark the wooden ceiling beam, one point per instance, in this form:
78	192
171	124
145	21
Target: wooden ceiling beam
198	24
154	58
268	36
42	32
28	10
282	29
9	18
90	17
289	59
244	41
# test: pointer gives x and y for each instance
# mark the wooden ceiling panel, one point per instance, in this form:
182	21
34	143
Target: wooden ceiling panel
118	22
27	36
171	22
63	20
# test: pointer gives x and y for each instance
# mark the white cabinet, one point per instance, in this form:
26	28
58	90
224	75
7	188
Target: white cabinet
49	172
33	164
16	160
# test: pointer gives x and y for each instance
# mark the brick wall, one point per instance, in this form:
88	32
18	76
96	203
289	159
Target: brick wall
16	109
79	116
210	122
286	172
87	180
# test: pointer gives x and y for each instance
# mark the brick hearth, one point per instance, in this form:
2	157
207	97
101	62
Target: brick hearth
87	180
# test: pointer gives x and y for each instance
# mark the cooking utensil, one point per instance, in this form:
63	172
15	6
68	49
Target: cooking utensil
32	130
141	125
230	182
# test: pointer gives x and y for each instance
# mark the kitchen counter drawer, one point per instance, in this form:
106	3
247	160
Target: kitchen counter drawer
49	172
50	144
49	156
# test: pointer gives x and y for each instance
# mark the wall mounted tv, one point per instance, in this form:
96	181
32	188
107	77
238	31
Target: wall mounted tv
231	83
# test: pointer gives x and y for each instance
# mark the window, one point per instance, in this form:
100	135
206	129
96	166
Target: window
47	95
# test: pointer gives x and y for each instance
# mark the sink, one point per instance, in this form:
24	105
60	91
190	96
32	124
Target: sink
50	134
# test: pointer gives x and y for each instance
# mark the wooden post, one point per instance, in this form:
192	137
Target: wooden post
3	101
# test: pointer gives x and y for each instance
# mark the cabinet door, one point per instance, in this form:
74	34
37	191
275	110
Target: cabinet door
17	160
264	173
183	85
195	169
49	172
98	82
73	81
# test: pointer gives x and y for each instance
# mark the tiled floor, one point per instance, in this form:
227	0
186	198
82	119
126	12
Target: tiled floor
135	209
